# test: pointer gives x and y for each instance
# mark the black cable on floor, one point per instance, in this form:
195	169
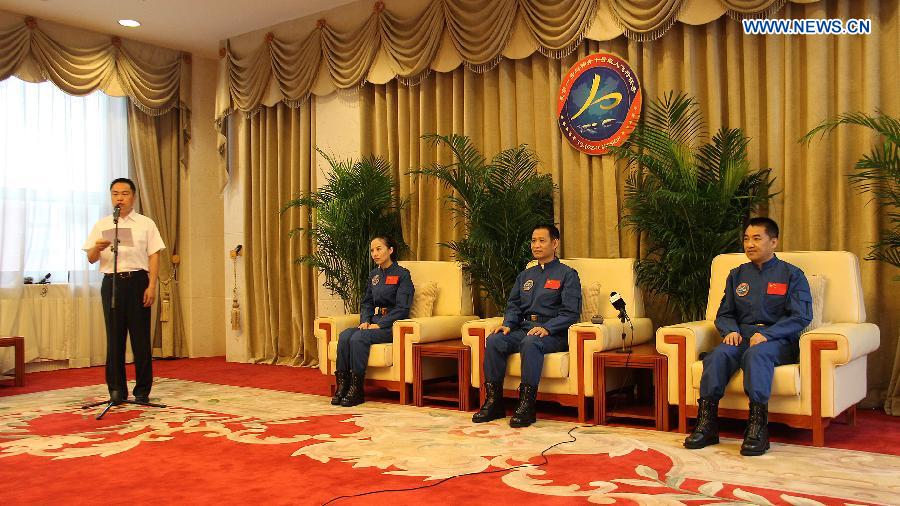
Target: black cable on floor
420	487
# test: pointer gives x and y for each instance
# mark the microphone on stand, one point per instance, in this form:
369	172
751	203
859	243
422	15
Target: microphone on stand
619	303
116	211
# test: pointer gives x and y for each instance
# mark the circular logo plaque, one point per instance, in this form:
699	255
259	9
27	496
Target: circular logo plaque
599	103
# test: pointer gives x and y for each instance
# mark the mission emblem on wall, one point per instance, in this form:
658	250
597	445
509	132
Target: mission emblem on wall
599	103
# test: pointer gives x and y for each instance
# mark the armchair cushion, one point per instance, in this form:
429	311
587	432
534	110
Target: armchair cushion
423	300
785	382
556	365
380	355
590	300
817	290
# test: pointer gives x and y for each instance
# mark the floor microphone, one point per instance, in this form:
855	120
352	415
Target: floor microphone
619	303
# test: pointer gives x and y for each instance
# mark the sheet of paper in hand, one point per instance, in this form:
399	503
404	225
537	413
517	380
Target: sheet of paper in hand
125	238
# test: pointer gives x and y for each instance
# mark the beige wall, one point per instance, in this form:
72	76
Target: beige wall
336	132
233	234
202	285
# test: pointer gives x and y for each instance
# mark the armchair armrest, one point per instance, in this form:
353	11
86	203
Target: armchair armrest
853	340
472	334
608	335
423	330
602	337
326	329
432	328
682	344
699	336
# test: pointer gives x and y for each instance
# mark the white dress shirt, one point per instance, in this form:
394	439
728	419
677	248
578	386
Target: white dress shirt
145	235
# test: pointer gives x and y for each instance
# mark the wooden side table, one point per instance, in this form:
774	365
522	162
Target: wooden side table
443	349
18	344
641	357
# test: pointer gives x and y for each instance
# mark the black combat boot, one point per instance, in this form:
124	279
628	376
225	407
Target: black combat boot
342	379
707	430
525	414
492	408
756	437
356	393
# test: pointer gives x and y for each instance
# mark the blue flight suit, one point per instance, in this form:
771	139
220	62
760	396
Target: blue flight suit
773	300
388	298
547	296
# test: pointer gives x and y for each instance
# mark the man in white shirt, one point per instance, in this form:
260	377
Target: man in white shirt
136	268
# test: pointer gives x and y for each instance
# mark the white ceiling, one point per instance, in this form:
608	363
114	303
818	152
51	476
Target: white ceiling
196	26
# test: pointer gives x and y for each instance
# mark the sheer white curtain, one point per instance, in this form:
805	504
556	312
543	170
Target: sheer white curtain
58	154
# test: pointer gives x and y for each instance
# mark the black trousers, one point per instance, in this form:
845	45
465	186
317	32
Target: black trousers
129	317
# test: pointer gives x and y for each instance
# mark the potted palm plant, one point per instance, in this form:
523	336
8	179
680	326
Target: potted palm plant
356	203
686	196
499	203
877	172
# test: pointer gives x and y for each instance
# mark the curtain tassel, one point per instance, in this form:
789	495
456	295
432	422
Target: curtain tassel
165	309
235	315
235	307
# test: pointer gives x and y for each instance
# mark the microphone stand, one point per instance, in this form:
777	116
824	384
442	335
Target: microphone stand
622	317
112	309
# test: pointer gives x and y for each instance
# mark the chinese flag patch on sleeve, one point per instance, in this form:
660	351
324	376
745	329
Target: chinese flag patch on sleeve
552	284
777	289
392	280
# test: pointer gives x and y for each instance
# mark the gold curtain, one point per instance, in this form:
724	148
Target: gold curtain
645	20
151	77
479	32
276	159
440	36
157	82
776	88
155	147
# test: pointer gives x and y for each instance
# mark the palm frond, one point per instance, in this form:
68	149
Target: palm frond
356	203
689	196
877	172
498	203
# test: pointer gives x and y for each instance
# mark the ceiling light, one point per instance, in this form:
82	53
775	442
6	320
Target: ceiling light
129	23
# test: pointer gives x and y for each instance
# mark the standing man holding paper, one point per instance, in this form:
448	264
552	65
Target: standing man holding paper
136	274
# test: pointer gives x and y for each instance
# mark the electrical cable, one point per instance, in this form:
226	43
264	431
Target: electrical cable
494	471
628	372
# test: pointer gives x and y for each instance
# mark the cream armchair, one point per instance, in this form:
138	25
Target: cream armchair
831	376
390	364
567	377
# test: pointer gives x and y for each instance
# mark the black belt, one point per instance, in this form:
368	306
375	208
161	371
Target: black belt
536	318
125	275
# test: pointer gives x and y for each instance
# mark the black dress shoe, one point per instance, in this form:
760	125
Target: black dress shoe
142	399
116	397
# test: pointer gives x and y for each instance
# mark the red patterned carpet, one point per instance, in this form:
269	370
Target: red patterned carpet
237	433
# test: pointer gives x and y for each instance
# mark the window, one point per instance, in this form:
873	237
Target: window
58	154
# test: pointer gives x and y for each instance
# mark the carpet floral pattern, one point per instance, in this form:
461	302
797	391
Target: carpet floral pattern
603	465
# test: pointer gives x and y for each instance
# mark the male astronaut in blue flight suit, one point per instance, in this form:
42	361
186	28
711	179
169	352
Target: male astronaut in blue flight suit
766	305
543	303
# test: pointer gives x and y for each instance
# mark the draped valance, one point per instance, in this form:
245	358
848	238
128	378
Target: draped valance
295	59
79	62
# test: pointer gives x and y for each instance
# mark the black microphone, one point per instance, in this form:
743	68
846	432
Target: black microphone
116	211
45	280
619	303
